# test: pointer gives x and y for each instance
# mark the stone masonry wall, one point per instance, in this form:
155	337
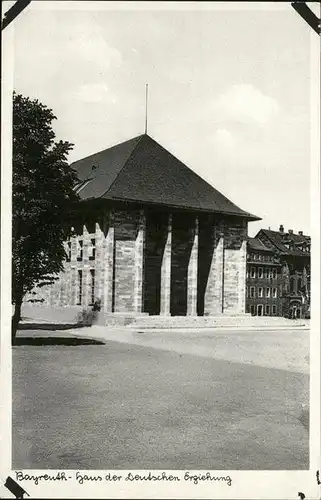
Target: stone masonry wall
235	233
126	259
214	279
222	265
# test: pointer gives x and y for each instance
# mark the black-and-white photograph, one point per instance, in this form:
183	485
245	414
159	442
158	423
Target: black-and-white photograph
161	237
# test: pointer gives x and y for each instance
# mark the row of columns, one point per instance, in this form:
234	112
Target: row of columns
214	296
165	284
105	255
104	269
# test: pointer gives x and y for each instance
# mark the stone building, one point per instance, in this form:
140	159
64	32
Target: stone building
151	236
278	274
263	280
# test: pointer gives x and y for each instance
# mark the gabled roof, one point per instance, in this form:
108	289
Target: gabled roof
141	170
279	241
256	244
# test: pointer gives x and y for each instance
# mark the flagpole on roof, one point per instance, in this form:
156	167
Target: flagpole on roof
146	107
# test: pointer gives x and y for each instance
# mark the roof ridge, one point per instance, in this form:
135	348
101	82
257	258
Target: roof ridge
111	185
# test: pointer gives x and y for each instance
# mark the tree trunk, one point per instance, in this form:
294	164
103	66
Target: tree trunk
15	321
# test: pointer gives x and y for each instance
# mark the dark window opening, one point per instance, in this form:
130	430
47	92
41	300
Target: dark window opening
92	286
79	288
92	249
68	252
260	310
79	250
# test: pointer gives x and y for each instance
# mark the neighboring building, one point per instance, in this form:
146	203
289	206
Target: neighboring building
151	236
263	280
287	258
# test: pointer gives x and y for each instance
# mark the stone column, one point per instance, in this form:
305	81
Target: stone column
109	265
86	273
139	263
73	272
242	278
64	280
99	262
213	303
165	292
192	274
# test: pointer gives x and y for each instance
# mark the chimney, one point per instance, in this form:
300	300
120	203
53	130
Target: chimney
281	229
301	233
290	231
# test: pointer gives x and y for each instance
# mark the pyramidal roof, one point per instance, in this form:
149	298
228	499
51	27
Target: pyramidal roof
141	170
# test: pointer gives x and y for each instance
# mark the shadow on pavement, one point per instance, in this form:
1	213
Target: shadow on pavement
67	341
49	326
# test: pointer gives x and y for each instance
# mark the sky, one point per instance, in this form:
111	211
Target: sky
229	91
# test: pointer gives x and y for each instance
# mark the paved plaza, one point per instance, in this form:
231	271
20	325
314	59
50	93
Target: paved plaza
226	399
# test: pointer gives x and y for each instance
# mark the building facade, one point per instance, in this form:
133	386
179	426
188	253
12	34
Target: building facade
150	236
263	280
278	274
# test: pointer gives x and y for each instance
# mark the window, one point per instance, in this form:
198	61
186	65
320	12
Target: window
274	273
247	291
267	272
267	310
260	310
68	251
295	283
92	249
260	272
253	310
79	288
260	256
92	286
275	293
255	256
268	292
291	283
260	291
252	292
79	250
253	272
274	310
270	273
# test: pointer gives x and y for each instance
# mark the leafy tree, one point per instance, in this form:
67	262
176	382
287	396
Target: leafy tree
42	192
